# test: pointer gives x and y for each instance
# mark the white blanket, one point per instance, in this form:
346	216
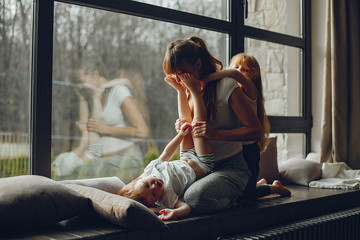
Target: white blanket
338	176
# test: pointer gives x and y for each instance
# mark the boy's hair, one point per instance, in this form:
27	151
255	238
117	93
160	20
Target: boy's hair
190	50
128	191
254	66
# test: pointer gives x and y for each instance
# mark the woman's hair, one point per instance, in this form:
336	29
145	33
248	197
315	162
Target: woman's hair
252	63
189	50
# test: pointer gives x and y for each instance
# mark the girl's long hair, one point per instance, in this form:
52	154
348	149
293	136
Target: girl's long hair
254	66
189	50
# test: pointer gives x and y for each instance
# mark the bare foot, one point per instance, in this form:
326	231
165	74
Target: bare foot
278	188
261	181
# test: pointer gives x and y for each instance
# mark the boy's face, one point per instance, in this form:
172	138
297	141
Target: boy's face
151	189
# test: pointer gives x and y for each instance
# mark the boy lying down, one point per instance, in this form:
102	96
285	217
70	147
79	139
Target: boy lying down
164	181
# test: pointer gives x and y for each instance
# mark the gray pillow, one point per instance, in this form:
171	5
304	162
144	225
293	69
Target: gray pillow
30	200
107	184
300	171
119	210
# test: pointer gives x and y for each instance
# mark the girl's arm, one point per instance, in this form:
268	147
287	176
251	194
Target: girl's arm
181	209
247	85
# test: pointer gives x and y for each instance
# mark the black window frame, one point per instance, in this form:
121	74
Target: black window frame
42	56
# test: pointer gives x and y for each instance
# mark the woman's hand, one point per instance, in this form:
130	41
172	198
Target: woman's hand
173	81
190	82
202	129
98	126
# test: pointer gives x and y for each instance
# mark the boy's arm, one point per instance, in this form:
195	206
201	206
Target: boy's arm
181	209
173	145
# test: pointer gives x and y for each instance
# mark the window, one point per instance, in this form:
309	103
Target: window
15	48
130	40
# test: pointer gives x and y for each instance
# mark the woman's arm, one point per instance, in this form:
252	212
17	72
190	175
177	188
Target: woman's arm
247	85
250	129
137	129
181	209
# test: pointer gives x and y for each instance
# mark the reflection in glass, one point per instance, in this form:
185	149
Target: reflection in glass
101	58
280	68
15	46
275	15
210	8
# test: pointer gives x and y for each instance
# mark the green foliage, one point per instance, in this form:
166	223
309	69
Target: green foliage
151	154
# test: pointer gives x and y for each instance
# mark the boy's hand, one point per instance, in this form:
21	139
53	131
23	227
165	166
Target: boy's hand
185	129
179	122
167	214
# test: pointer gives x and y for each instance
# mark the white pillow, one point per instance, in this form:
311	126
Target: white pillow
300	171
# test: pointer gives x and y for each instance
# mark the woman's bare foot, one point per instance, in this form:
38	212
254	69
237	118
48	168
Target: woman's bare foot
261	181
278	188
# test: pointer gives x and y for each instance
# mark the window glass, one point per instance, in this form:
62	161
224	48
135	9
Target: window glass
15	46
108	68
281	76
210	8
289	145
280	16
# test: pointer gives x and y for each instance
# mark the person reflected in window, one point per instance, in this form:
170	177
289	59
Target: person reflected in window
89	149
245	69
121	122
119	125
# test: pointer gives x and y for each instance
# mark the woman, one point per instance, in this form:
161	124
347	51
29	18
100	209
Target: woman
121	120
230	121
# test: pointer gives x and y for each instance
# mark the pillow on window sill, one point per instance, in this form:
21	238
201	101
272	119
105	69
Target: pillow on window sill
300	171
107	184
120	210
28	201
268	162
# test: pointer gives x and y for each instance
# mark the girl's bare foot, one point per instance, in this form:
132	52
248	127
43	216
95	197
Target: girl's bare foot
261	181
278	188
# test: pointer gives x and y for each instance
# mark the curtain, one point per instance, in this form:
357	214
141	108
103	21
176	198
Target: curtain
340	140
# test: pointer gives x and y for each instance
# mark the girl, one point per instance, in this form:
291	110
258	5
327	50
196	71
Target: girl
246	70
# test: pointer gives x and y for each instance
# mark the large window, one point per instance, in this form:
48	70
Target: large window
15	48
81	43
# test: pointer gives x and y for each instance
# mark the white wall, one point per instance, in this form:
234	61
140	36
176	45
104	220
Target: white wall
318	17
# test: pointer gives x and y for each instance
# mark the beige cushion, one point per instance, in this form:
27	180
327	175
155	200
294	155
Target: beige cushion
107	184
268	162
300	171
120	210
31	200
